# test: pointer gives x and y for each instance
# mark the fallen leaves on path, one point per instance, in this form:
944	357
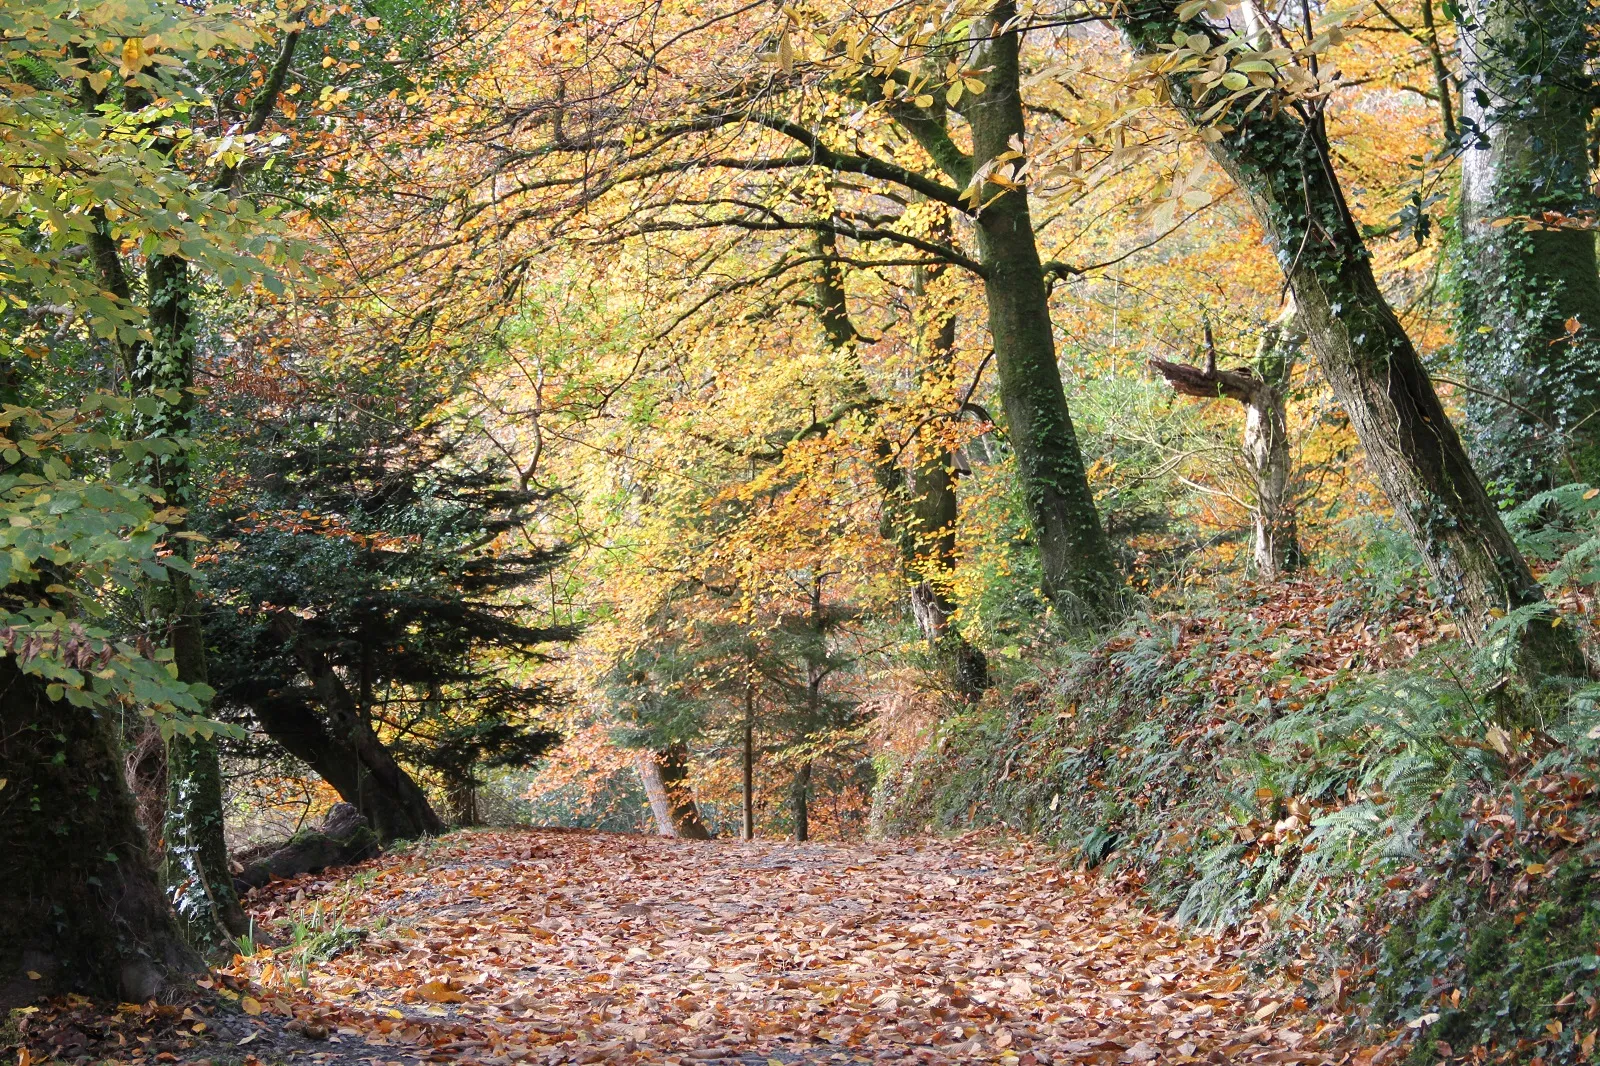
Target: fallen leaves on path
549	947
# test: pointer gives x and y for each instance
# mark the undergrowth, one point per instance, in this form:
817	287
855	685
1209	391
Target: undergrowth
1321	768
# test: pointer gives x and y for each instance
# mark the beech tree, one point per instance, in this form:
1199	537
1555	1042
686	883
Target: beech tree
84	908
159	363
624	152
81	906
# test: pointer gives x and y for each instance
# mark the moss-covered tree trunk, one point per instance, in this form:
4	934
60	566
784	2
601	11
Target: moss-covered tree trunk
196	850
1529	326
80	903
1080	575
1280	159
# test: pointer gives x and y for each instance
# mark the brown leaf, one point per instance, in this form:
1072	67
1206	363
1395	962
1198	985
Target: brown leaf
439	992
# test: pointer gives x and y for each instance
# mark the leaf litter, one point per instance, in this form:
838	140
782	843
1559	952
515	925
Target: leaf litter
548	947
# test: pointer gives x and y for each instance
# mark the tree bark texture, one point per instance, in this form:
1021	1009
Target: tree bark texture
748	789
1275	546
400	809
1529	325
1281	161
665	776
80	903
1080	576
343	838
462	794
920	506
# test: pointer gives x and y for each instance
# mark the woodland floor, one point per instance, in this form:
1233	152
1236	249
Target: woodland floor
551	947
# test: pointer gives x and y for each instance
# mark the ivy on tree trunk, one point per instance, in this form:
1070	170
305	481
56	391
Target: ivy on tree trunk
1279	157
1529	324
1080	576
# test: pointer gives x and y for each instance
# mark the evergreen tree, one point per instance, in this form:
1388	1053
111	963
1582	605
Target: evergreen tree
367	613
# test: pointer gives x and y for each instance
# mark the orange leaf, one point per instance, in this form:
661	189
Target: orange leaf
439	992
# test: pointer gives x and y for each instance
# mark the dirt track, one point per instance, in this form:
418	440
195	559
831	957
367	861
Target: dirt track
572	947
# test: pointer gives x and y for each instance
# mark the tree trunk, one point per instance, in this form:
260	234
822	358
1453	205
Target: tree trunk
665	776
748	791
293	724
462	795
800	802
196	849
79	903
1275	547
161	366
1283	166
196	852
1080	576
1275	542
934	511
1529	324
340	745
816	672
400	809
921	509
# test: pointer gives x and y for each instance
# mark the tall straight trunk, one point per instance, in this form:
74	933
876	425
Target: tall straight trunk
1080	576
1282	163
80	904
748	790
665	776
800	802
920	507
162	367
816	672
196	850
1529	324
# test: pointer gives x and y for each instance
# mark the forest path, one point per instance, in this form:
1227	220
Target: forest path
548	947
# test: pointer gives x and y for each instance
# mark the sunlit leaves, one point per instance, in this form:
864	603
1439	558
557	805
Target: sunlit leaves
70	172
77	530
